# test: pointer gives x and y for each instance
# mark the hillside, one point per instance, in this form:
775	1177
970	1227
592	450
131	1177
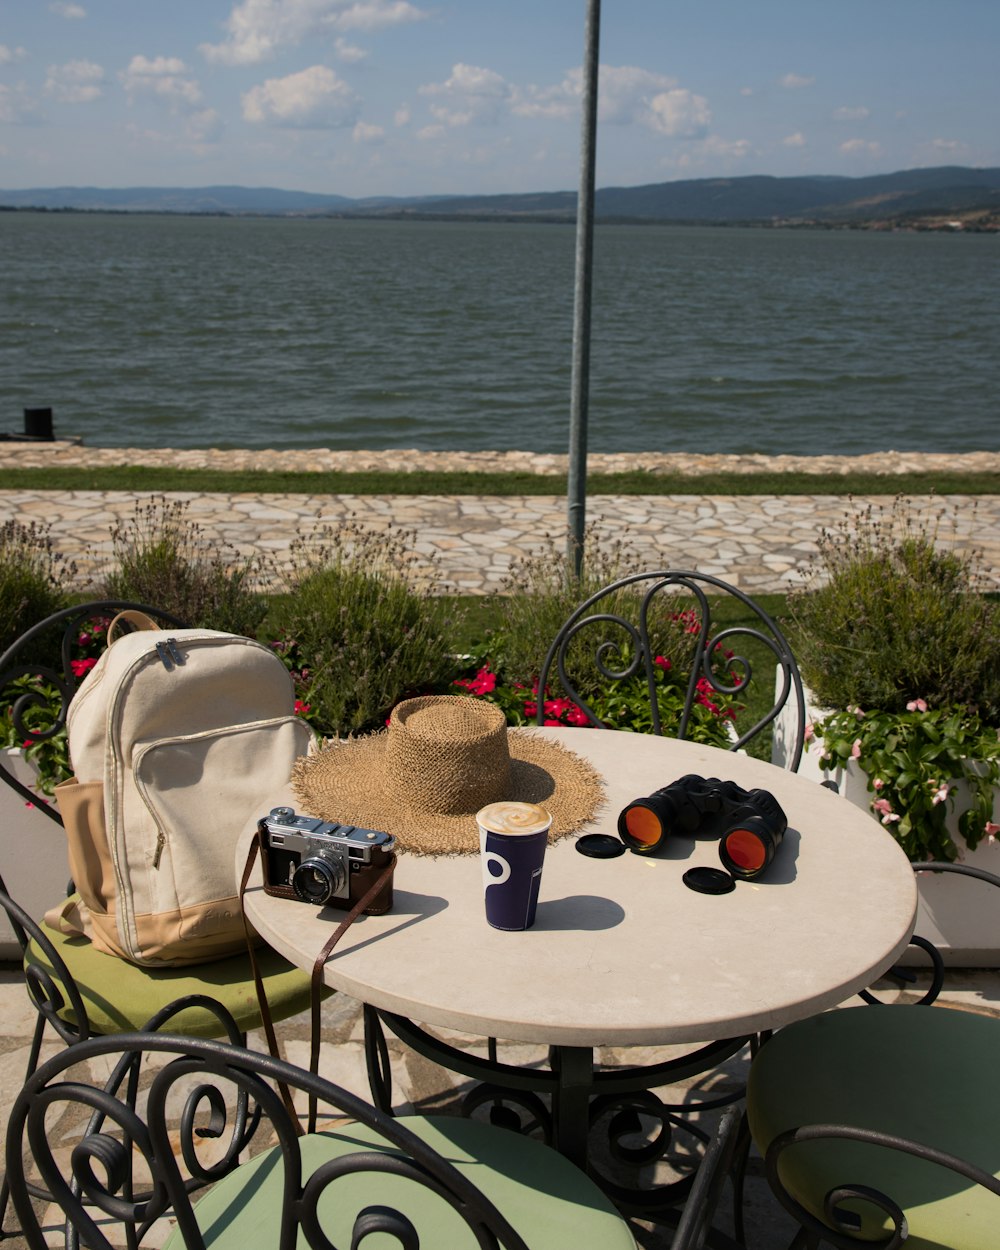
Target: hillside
928	197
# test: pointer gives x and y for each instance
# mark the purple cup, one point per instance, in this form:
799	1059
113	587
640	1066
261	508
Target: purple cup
512	840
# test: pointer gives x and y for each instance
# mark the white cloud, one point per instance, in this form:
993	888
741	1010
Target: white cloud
349	52
794	81
76	82
313	99
856	147
16	106
402	115
626	94
746	91
679	113
74	12
11	54
850	114
471	94
430	132
364	132
953	147
164	77
797	140
257	29
730	149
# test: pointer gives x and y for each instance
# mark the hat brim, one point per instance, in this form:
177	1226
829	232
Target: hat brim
346	782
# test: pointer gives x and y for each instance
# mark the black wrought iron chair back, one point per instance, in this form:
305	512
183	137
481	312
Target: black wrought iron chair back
363	1173
79	992
614	637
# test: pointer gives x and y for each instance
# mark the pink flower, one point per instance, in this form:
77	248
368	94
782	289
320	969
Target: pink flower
877	783
991	828
856	749
940	795
889	817
882	806
810	731
916	705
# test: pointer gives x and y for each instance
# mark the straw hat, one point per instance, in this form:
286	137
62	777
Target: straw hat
441	760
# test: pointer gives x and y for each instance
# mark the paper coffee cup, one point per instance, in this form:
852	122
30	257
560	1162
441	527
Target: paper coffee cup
512	840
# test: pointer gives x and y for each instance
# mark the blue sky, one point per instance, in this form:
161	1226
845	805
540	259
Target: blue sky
417	97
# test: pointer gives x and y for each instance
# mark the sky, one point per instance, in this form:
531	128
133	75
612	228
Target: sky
435	97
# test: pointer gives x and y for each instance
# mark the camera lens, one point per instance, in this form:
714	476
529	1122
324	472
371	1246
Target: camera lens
318	878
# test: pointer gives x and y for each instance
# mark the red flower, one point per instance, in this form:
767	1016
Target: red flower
576	716
301	708
531	709
662	662
81	667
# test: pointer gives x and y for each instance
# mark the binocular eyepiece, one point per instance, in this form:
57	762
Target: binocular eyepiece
749	823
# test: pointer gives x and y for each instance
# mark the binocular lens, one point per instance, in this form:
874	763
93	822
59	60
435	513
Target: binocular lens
640	827
743	851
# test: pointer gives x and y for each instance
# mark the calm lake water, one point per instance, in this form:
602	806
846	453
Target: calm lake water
230	332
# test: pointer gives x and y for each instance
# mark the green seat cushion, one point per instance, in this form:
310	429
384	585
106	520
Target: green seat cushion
549	1201
928	1074
120	997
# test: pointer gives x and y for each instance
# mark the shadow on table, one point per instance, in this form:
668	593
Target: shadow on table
408	908
579	911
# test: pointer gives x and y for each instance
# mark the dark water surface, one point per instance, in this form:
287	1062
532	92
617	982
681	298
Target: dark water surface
166	331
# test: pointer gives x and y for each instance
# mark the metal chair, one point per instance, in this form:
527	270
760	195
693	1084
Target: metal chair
427	1181
80	992
615	635
878	1124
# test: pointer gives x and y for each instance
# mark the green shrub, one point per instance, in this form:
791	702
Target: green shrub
32	577
163	558
361	628
887	617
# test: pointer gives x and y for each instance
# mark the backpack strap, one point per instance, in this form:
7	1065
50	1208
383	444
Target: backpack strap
133	617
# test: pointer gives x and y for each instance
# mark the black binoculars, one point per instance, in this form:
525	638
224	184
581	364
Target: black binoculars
750	823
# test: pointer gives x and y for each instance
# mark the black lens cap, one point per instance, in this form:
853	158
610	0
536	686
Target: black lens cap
709	880
600	846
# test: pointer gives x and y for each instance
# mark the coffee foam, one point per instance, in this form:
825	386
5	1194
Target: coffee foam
510	817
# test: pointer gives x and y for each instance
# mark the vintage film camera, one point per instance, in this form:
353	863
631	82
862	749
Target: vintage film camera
750	823
320	863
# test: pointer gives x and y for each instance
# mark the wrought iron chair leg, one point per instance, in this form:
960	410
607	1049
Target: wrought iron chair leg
33	1054
741	1156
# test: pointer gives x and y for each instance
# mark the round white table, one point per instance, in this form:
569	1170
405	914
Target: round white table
622	952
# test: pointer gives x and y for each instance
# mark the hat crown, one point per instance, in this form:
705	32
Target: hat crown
447	754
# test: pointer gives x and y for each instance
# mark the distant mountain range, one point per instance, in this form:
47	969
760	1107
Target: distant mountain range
914	196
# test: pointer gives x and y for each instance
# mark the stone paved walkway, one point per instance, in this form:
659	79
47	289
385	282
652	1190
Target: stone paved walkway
759	543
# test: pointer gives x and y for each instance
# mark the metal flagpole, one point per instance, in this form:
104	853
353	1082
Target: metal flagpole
576	489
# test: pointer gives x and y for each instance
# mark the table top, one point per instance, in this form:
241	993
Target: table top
622	952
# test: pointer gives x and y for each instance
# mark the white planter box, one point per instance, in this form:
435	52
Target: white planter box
33	856
960	915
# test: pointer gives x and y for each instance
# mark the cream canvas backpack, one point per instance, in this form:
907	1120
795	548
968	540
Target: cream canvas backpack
180	741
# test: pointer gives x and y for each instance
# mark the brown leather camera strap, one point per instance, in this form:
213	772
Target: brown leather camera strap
316	975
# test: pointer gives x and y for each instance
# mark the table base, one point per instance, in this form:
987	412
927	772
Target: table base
570	1101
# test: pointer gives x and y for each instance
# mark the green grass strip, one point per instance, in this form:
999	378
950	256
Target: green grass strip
205	481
